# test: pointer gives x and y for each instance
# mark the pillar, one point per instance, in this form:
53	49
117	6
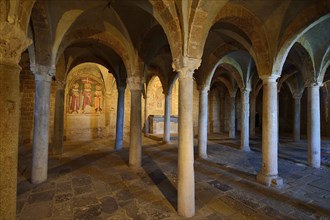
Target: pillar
232	128
57	145
120	117
296	120
202	122
167	118
13	42
43	77
269	172
253	116
135	142
245	108
313	126
146	114
186	177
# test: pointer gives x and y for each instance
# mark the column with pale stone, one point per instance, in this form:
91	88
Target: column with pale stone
57	145
135	142
186	177
120	118
313	125
269	171
253	116
146	114
296	120
202	123
13	42
167	117
43	77
245	108
232	127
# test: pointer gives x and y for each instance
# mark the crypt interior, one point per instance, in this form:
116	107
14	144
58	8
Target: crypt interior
165	109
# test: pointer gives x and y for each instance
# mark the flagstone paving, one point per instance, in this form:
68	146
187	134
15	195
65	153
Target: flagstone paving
92	181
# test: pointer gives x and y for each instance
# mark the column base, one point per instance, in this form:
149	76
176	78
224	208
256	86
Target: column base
203	156
269	180
246	148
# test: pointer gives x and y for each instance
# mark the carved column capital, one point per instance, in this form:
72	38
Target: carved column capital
185	66
13	41
121	88
313	83
60	85
245	90
43	73
203	89
269	79
134	83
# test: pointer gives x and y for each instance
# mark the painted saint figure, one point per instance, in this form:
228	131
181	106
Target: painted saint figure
87	95
74	105
98	98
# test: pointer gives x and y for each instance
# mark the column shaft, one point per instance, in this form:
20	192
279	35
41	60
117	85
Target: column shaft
313	126
232	128
186	179
9	127
120	118
167	118
40	130
57	145
202	124
146	114
245	145
135	130
296	121
268	174
253	116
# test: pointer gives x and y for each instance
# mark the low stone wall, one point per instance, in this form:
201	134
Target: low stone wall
156	124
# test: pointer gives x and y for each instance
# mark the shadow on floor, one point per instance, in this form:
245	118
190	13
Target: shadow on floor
160	180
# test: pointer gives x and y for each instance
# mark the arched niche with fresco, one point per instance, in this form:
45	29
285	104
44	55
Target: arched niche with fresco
84	104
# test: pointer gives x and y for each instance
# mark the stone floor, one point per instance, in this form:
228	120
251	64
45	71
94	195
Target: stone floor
92	181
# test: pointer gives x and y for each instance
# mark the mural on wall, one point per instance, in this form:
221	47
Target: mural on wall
85	97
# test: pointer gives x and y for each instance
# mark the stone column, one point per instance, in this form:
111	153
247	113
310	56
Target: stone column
232	128
167	118
13	42
202	123
43	76
120	118
269	172
146	114
135	144
253	116
296	120
186	176
313	126
57	145
245	108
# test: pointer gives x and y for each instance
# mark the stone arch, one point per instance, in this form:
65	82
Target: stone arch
78	61
226	82
105	38
155	96
253	28
41	33
165	13
296	29
160	77
325	64
212	61
308	72
202	15
231	66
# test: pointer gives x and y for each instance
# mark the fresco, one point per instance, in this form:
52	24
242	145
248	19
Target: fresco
85	97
